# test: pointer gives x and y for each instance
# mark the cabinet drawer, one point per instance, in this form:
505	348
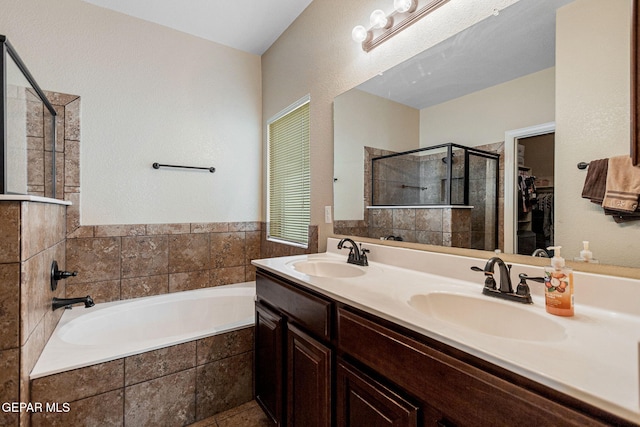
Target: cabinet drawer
465	394
305	309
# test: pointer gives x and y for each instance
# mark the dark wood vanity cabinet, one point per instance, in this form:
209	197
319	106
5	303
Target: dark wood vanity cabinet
268	363
293	354
320	363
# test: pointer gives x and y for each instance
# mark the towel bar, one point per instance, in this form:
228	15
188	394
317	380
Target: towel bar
158	166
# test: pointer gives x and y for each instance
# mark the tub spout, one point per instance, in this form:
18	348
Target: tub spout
68	302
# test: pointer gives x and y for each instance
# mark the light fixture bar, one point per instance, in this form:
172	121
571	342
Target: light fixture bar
373	41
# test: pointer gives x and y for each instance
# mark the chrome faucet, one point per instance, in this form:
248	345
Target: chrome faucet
505	291
68	302
356	256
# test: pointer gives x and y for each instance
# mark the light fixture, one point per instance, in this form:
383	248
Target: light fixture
402	6
383	26
378	19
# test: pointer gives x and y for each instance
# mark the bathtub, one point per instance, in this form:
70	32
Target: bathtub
109	331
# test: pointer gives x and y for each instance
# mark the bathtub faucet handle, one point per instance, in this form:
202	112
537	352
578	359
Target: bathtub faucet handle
57	274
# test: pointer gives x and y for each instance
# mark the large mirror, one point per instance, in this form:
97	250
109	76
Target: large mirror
543	83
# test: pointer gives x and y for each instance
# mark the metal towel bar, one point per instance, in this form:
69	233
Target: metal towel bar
158	166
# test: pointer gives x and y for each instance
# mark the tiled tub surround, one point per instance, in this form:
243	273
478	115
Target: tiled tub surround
31	236
129	261
172	386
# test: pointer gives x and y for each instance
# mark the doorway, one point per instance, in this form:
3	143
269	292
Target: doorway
511	178
535	198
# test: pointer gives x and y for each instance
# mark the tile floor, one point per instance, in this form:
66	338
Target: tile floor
247	415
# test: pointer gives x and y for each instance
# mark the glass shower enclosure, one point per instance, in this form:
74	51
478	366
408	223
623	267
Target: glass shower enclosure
442	176
27	129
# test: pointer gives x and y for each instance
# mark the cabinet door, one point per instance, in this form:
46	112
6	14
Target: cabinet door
309	380
364	402
269	364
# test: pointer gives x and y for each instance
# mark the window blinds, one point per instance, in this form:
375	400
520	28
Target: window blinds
289	182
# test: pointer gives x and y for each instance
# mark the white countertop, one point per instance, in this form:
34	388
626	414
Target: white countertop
597	360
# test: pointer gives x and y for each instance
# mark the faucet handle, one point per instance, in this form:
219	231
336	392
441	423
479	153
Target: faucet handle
489	281
523	278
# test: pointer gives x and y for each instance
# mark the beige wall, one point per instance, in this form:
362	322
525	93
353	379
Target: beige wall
365	120
150	94
316	55
488	113
592	118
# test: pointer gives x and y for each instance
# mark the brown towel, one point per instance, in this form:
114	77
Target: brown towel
595	183
623	185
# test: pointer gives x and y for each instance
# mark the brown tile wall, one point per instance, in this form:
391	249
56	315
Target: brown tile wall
128	261
33	236
172	386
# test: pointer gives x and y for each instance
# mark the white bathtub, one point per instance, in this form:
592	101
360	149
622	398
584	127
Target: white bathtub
109	331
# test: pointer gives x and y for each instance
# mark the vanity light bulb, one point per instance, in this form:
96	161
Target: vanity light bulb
359	34
378	19
402	6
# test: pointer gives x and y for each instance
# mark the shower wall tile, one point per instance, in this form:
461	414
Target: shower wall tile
381	218
429	237
144	256
158	363
71	163
429	220
168	400
35	162
404	219
72	120
9	232
43	225
9	306
189	252
35	118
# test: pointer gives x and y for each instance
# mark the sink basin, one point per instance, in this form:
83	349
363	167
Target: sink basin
488	316
323	268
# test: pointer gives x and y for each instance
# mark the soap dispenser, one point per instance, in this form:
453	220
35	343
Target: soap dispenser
558	282
585	254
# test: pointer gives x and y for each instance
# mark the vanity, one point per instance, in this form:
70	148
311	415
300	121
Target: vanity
410	341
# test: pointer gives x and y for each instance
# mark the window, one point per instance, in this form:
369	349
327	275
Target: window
288	175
